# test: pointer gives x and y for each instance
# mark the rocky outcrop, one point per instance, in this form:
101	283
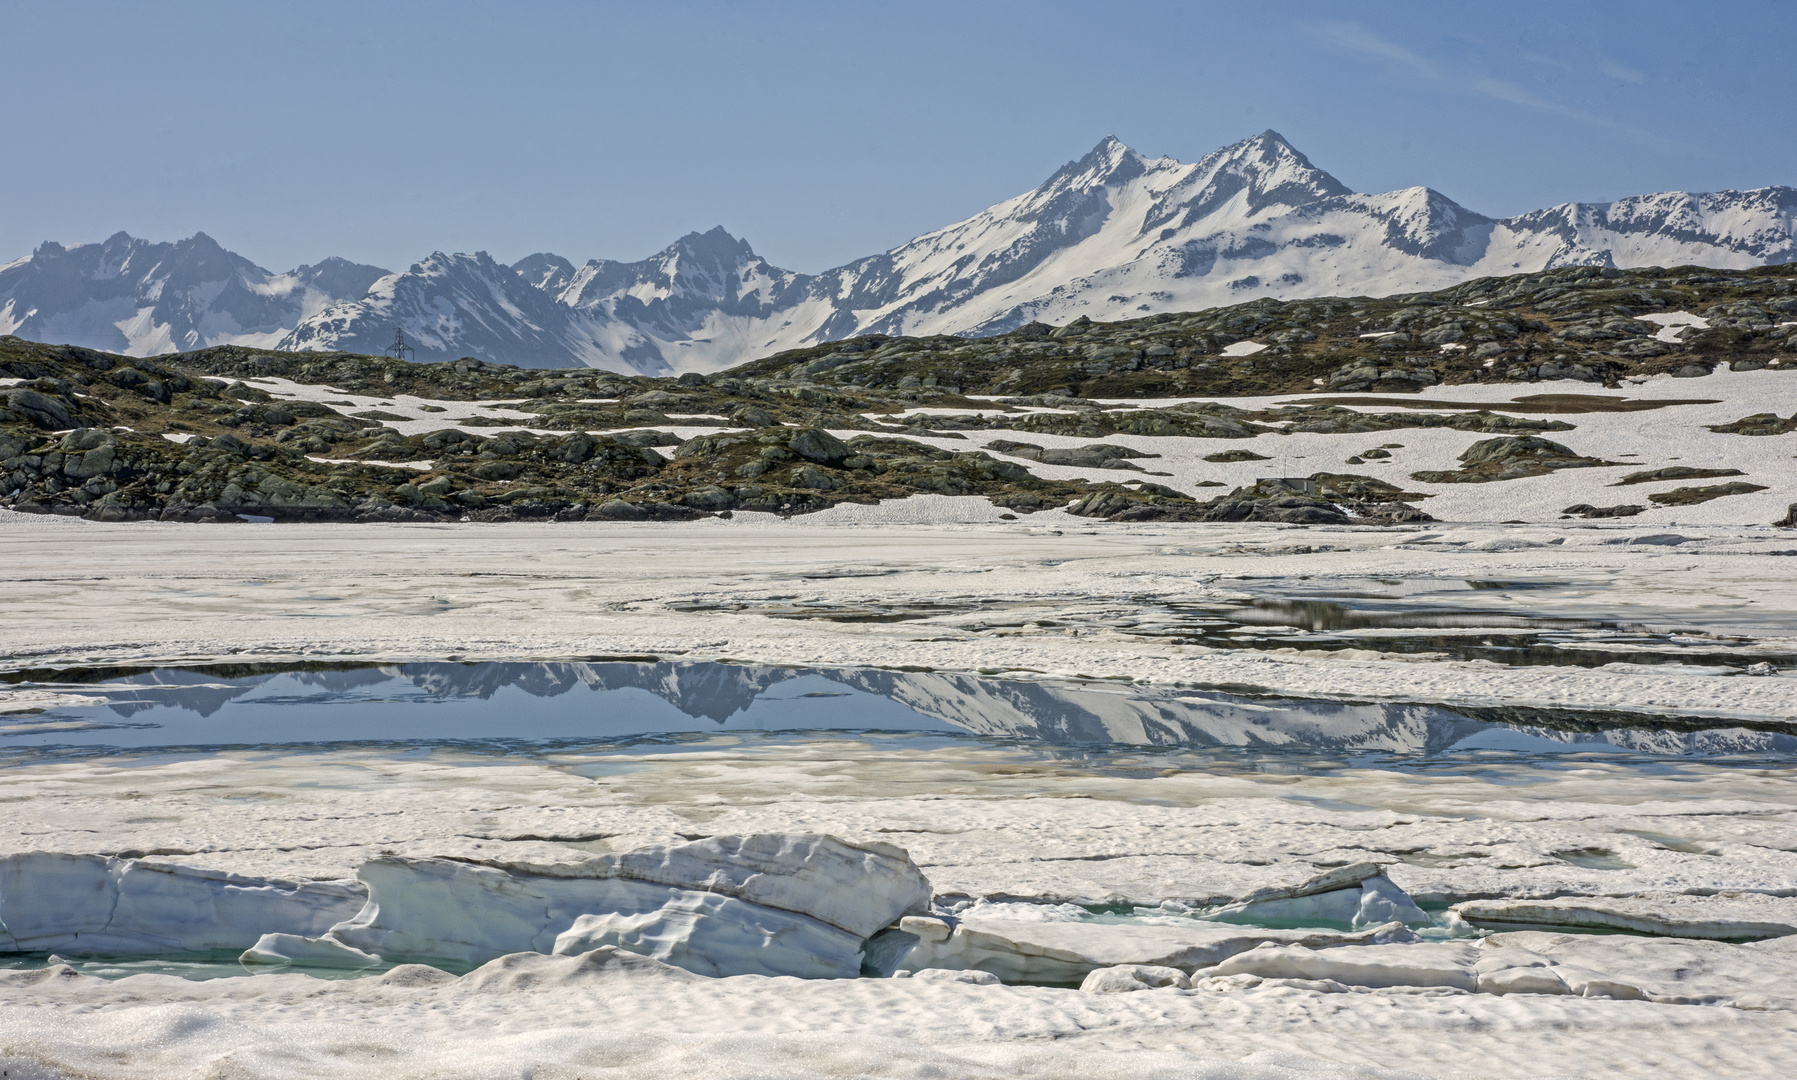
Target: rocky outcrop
1319	499
1691	496
1490	460
200	437
1586	510
1758	424
1673	472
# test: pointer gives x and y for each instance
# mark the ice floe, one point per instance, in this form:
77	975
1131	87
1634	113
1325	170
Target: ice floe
1665	972
1321	795
91	903
1731	916
1065	953
727	905
1358	895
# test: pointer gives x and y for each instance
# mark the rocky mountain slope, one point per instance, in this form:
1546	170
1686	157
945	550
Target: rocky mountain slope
1110	236
226	431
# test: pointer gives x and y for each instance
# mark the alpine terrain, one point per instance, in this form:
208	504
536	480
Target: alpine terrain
1110	236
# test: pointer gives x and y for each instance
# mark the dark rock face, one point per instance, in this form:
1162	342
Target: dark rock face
817	445
40	410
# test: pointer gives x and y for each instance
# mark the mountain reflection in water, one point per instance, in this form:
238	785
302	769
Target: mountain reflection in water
621	699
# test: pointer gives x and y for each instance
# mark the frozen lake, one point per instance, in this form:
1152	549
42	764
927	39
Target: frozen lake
1560	758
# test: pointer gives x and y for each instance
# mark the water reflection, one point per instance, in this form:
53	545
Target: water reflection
621	699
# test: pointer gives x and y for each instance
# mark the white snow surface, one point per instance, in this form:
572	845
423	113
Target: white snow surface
1673	323
537	1014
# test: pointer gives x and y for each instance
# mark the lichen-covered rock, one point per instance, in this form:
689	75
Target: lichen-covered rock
1320	499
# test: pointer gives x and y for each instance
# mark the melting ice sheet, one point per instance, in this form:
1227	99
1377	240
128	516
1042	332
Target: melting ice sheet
623	700
1075	833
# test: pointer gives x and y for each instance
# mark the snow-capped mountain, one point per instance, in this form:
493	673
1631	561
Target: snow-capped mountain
1117	234
451	306
706	302
132	296
1111	235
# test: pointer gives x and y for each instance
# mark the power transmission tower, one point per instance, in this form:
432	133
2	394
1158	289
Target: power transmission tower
399	348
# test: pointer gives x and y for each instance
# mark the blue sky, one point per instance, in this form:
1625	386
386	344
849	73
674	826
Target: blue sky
825	131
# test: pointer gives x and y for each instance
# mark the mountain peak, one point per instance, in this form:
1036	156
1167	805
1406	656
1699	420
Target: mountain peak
1108	163
548	272
1112	154
715	244
1263	170
1269	154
